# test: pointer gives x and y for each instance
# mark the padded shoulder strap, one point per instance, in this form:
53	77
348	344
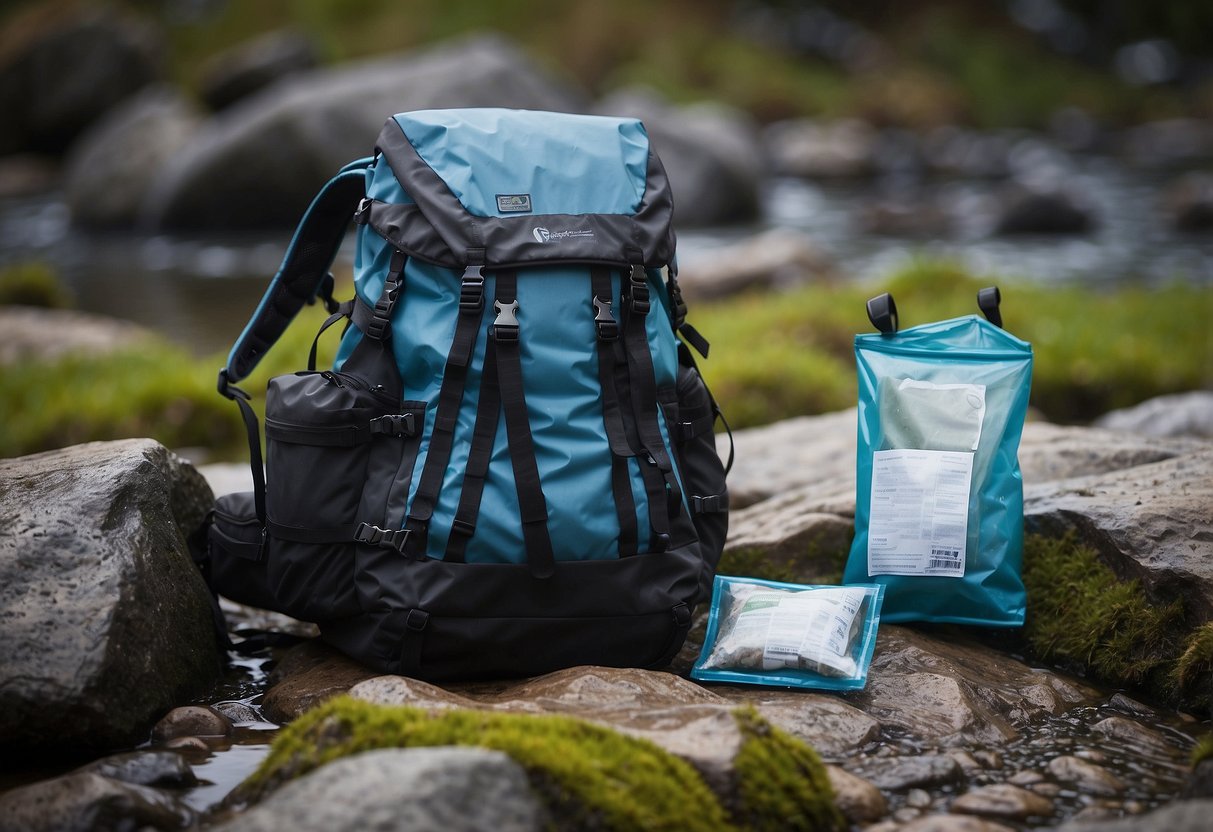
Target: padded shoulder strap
304	270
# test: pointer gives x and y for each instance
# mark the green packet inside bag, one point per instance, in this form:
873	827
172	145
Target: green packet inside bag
795	635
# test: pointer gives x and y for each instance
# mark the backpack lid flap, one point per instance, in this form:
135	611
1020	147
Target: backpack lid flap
513	187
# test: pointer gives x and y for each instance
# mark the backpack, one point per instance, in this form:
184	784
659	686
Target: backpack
511	467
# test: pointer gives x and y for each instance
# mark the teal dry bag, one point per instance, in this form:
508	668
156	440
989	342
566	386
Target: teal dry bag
939	496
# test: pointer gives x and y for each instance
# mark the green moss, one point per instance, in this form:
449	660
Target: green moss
810	563
1202	751
588	776
781	782
1193	671
788	354
33	284
1080	613
1083	617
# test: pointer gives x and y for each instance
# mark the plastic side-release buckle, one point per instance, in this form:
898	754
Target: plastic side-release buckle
711	504
505	326
375	536
395	424
608	327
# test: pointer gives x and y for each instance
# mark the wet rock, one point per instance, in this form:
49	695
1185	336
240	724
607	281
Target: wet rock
1044	211
829	150
711	155
452	789
952	823
858	799
828	724
790	538
105	616
1170	143
779	257
901	773
162	769
919	799
62	71
87	802
1086	777
1200	782
111	168
906	217
1179	415
1131	733
259	162
1182	816
1002	800
192	721
25	334
189	746
955	151
1189	203
1027	777
1150	522
238	713
244	69
955	692
27	174
306	676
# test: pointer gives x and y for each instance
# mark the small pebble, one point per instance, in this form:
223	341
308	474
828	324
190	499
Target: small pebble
991	760
187	744
1092	756
906	814
1027	777
918	799
1084	776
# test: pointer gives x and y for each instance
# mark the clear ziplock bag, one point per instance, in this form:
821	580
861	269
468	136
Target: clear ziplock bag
939	496
770	633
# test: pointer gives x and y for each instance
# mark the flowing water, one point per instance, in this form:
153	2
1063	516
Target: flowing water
200	290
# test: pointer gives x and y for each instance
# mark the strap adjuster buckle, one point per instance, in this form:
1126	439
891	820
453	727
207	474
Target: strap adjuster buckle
638	291
360	213
471	291
375	536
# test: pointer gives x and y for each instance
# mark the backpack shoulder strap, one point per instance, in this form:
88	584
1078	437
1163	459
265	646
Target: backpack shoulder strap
304	273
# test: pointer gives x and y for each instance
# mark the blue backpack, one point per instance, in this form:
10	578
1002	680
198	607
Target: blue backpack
511	467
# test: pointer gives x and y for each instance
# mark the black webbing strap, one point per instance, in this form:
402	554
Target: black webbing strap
450	399
254	449
294	534
342	310
644	389
531	503
612	416
484	436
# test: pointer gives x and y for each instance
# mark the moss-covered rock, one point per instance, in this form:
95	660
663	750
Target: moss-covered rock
1085	617
588	776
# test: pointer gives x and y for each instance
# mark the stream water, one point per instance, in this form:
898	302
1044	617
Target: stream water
200	290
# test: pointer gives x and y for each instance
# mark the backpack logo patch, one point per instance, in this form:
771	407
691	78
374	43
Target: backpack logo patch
514	203
543	235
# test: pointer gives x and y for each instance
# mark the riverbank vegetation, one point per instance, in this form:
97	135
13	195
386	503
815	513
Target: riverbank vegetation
774	356
913	64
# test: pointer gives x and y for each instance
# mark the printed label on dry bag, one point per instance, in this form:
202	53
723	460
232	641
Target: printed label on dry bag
919	519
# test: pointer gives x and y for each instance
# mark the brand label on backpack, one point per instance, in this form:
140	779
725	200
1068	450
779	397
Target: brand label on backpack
514	203
545	235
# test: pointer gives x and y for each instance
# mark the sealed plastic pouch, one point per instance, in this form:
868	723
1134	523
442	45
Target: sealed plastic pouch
807	636
939	496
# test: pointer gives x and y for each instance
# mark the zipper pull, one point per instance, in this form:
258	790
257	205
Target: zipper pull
331	378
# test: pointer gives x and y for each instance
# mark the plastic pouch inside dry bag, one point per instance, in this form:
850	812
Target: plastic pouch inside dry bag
939	497
769	633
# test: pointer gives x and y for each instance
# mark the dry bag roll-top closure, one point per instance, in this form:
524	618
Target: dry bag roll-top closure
512	466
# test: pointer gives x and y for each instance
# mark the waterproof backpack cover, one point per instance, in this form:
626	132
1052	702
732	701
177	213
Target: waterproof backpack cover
939	496
511	467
